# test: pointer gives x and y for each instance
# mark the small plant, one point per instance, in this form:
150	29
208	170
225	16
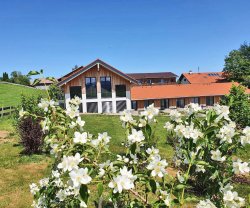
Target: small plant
31	135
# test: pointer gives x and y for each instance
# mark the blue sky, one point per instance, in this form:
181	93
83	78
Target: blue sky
131	35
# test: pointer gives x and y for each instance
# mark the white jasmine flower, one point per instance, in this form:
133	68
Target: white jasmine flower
175	116
200	168
226	133
222	111
33	189
80	138
72	112
102	139
126	117
232	200
158	167
22	113
44	182
80	176
122	158
192	107
205	204
70	163
169	126
245	139
150	112
216	155
135	136
181	179
240	167
142	123
75	101
44	104
124	181
72	125
61	195
83	204
80	122
55	173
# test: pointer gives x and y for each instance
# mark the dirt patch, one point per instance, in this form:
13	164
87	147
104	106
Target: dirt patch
4	134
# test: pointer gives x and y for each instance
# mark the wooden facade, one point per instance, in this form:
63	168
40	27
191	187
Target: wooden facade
172	102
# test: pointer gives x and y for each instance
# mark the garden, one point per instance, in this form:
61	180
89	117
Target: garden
57	158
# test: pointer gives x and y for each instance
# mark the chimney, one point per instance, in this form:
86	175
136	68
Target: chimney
190	72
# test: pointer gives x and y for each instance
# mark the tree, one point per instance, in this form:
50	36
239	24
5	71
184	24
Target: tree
237	65
18	78
5	77
239	105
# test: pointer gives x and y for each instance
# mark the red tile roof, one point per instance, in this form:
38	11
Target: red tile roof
180	90
206	77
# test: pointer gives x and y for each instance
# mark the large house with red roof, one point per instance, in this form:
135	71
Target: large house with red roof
105	89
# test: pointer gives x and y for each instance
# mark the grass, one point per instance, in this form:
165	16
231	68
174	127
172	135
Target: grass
17	171
11	94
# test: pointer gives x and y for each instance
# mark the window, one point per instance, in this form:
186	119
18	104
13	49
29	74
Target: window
210	100
120	90
148	103
90	83
106	87
149	81
164	103
92	107
180	103
195	100
134	105
107	107
121	106
76	91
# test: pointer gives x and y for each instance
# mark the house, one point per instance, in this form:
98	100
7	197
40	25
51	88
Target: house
43	84
154	78
204	77
102	88
105	89
178	95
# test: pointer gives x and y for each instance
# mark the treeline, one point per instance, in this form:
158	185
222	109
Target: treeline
15	77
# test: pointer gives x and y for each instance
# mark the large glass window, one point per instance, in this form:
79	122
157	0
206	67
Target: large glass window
106	87
164	104
180	103
90	83
195	100
148	103
134	105
210	100
120	90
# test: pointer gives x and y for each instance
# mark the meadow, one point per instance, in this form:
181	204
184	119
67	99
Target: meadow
17	171
10	95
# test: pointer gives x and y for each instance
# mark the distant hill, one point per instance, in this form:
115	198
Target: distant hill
10	94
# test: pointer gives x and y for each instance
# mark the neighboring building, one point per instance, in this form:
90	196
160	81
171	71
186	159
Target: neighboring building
204	77
103	88
43	84
177	96
154	78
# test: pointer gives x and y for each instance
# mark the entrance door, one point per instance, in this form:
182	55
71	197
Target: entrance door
76	91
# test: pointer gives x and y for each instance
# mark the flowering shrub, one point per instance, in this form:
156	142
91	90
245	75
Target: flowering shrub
205	143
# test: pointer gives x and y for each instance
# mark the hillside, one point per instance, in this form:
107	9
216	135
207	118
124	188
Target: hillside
10	95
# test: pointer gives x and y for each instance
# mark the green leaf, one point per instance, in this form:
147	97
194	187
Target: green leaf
36	81
84	193
202	163
100	189
180	186
133	148
53	79
31	73
153	185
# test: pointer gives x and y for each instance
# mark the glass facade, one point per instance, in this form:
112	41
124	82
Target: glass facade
210	101
180	103
106	87
120	90
90	83
164	103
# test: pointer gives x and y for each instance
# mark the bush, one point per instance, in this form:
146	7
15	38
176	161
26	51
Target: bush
239	105
31	135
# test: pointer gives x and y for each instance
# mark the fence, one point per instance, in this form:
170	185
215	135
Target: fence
4	111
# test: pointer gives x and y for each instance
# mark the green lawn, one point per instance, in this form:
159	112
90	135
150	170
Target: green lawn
18	171
10	95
